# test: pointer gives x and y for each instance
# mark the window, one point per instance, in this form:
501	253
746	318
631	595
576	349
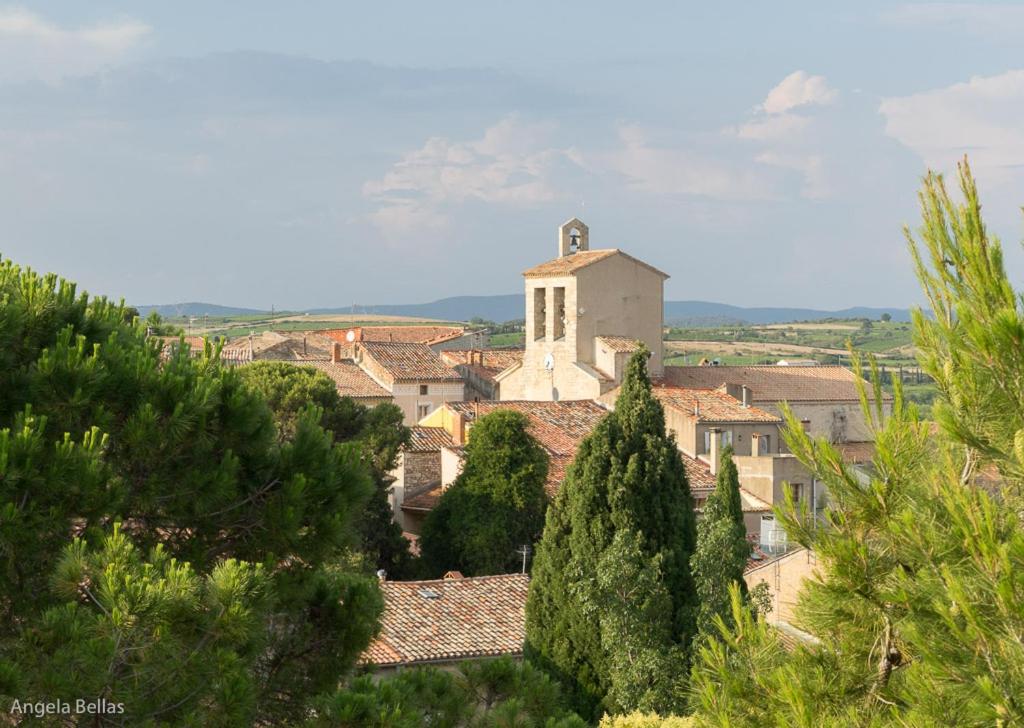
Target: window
559	312
724	438
422	411
797	491
764	445
424	389
539	313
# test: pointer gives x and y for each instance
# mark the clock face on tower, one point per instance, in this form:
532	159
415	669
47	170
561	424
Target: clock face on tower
549	362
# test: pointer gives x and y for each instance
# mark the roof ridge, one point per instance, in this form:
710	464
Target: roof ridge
484	577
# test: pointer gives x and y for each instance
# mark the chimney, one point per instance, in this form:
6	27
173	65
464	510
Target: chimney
335	351
755	444
696	410
746	396
458	429
714	454
382	575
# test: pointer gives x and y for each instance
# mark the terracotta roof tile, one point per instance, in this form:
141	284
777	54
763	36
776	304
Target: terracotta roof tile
351	381
567	265
772	383
709	405
428	439
485	363
450	619
409	362
557	426
425	501
698	473
622	344
396	334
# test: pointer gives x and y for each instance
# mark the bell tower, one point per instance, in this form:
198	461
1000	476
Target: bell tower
573	237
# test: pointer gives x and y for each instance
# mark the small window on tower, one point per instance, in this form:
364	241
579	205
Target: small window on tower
559	312
539	313
424	389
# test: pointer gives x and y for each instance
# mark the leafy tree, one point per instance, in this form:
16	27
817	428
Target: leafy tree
290	390
918	599
96	429
156	326
495	505
496	692
886	317
722	546
613	566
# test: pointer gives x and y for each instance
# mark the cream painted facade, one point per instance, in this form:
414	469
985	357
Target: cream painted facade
784	576
416	404
566	312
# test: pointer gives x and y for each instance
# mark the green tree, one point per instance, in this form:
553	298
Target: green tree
156	326
495	506
722	547
291	390
95	428
625	506
487	693
917	601
886	317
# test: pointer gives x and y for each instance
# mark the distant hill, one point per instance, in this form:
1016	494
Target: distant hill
196	309
511	306
458	308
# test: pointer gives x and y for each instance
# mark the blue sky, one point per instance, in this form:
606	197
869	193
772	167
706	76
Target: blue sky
319	154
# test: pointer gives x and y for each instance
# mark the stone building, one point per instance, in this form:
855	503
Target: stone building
418	381
586	312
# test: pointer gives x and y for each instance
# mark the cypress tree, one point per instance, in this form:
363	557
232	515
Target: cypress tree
625	507
722	547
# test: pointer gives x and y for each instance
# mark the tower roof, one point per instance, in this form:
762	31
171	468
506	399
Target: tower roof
567	265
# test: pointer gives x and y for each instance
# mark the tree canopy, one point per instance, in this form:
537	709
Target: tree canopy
495	506
917	603
612	604
99	426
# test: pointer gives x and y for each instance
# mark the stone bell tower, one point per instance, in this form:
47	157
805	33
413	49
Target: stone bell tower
573	237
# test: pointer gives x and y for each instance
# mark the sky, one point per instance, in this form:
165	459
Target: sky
321	154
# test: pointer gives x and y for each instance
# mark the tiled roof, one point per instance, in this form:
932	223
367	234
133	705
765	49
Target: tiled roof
752	504
772	383
709	405
485	363
698	473
450	619
620	343
557	426
350	380
428	439
424	501
409	362
397	334
568	265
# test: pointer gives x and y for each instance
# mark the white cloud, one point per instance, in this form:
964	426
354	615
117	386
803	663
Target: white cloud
31	47
799	89
683	171
980	117
512	164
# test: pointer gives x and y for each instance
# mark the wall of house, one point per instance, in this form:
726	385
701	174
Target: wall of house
407	396
784	576
766	476
742	436
469	340
838	421
451	465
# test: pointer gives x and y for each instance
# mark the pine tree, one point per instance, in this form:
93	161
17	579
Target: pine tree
722	547
494	507
625	507
98	426
917	601
379	432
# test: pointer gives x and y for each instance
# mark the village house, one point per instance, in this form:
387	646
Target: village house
445	621
413	374
437	337
480	369
586	311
